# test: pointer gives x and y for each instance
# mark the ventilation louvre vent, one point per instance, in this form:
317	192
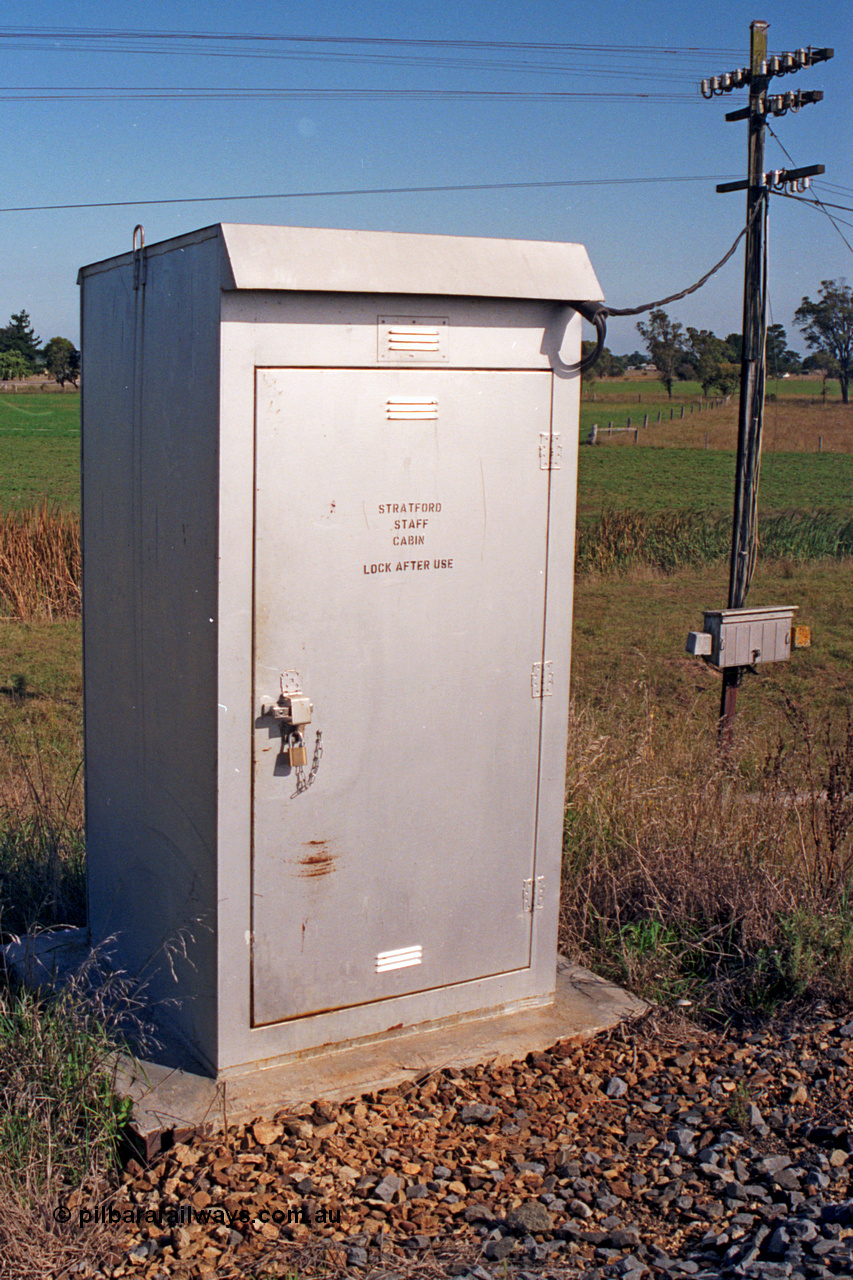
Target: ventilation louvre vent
413	339
397	410
406	339
402	958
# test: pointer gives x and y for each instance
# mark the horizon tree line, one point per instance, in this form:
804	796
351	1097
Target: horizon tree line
697	355
22	354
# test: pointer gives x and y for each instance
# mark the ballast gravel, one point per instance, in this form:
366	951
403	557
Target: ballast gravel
656	1150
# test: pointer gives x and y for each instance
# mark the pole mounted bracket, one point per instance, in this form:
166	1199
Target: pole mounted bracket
774	178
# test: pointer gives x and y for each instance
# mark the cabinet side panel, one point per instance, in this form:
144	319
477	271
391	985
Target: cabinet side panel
150	459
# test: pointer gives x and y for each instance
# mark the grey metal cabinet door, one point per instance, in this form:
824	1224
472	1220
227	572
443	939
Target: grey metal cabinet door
401	525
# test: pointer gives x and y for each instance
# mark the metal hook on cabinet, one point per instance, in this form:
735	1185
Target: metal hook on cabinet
138	255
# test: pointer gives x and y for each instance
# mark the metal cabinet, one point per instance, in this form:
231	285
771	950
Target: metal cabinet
329	488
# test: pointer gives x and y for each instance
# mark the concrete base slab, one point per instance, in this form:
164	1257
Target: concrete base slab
170	1103
177	1102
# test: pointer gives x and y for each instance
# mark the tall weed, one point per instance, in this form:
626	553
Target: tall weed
42	853
618	541
691	874
61	1117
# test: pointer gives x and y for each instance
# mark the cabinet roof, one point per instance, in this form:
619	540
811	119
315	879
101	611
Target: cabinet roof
320	259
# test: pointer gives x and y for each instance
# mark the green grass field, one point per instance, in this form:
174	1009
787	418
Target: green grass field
40	455
39	449
680	479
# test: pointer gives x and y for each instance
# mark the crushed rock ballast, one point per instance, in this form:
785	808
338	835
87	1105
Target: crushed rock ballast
650	1151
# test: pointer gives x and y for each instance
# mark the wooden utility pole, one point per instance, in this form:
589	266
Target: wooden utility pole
752	368
752	373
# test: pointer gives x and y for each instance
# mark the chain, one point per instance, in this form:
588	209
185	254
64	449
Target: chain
303	783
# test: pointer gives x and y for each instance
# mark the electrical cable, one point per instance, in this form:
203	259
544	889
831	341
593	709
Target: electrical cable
683	293
816	202
820	207
598	317
822	204
327	95
359	191
49	35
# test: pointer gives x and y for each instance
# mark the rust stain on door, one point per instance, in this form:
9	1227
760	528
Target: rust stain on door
317	862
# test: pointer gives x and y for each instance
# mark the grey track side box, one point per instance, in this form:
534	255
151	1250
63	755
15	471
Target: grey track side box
744	637
329	485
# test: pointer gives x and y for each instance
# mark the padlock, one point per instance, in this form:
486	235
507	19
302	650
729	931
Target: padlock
297	752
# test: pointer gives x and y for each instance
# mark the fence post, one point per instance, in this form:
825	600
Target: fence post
610	427
629	422
645	419
820	444
636	434
681	415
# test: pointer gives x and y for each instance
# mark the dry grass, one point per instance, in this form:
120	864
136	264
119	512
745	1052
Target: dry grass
40	565
792	425
60	1117
33	1243
720	880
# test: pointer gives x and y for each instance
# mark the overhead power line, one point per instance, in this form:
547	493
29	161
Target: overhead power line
519	56
816	202
359	191
50	34
110	94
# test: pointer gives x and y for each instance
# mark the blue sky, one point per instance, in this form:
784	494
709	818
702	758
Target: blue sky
645	239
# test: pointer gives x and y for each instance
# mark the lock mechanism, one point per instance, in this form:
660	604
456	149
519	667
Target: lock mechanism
292	712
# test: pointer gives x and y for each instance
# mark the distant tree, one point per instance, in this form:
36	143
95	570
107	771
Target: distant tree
12	365
820	362
827	325
636	359
685	370
728	377
779	358
734	342
825	364
62	361
606	366
777	341
19	336
711	357
663	339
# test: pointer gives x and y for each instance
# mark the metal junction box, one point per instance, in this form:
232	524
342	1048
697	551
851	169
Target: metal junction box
744	637
329	503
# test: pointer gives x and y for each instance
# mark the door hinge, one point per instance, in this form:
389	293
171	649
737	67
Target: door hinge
533	894
550	451
542	680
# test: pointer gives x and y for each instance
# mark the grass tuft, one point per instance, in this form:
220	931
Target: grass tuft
61	1118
